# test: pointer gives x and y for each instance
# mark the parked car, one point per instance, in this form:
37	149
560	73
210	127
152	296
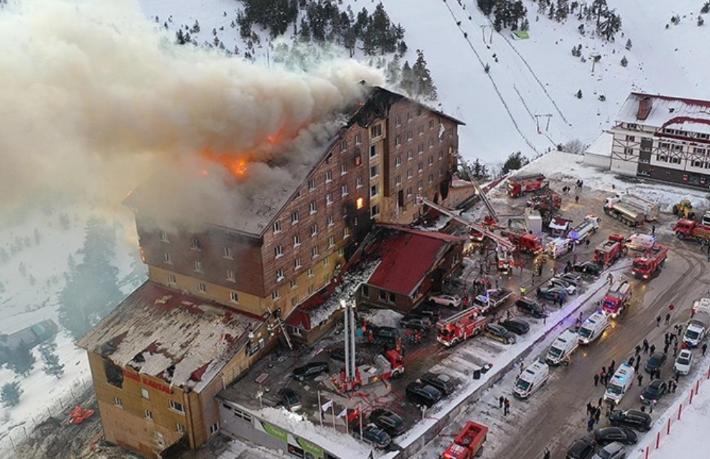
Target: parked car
338	353
517	326
444	383
310	370
607	435
415	323
452	301
428	310
654	392
530	307
572	278
384	334
588	268
582	448
421	393
375	436
683	362
389	421
559	282
614	450
552	293
289	399
500	333
655	362
635	419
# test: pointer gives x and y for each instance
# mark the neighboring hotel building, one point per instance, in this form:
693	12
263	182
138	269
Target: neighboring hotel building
663	138
215	298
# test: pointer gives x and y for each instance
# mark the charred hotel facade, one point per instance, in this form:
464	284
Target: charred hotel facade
215	298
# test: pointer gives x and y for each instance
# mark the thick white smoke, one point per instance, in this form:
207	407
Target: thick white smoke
93	99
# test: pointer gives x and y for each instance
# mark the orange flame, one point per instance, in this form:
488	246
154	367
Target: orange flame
238	163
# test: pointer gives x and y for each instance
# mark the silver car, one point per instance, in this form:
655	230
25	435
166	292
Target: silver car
611	451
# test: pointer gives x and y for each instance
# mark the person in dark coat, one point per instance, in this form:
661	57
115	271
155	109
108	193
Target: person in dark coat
596	379
645	345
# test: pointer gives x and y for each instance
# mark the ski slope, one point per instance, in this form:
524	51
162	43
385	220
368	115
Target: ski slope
538	76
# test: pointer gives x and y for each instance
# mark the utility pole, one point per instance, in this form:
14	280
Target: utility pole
537	121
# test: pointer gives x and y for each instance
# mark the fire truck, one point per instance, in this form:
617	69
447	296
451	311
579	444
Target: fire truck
461	326
519	185
550	201
493	298
524	242
467	443
385	367
617	298
649	264
626	212
692	230
610	250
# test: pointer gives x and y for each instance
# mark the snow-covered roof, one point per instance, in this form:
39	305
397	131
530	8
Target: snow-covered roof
665	112
602	145
178	338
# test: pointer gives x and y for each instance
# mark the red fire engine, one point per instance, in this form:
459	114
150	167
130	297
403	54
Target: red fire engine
519	185
461	326
610	250
617	298
467	443
692	230
524	242
650	262
385	367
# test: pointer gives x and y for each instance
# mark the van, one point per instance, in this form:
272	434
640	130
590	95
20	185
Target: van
619	383
593	327
531	379
558	247
562	348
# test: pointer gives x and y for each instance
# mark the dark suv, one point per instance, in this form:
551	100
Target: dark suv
421	393
582	448
384	334
443	383
389	421
310	370
530	307
631	418
375	436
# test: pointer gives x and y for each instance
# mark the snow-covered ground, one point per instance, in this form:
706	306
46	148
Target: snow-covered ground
534	76
41	242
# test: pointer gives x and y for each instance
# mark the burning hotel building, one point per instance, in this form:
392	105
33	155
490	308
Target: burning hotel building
219	289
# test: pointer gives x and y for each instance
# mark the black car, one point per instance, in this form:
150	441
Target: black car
517	326
375	436
421	393
500	333
654	392
552	293
443	383
631	418
384	334
530	307
289	399
607	435
310	370
582	448
415	323
588	267
655	362
338	353
389	421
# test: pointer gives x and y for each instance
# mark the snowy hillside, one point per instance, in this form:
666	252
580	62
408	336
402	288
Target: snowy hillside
534	76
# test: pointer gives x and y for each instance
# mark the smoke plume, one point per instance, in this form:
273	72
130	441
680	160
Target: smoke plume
95	99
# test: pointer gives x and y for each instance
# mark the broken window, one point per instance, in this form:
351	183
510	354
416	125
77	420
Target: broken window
114	374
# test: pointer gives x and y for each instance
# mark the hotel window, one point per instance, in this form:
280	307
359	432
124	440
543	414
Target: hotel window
677	147
275	295
329	198
311	289
164	236
314	229
409	173
294	217
431	143
297	263
374	211
630	138
176	406
373	171
398	180
312	207
230	276
343	145
397	140
167	259
409	191
214	428
441	154
195	244
279	275
296	240
359	203
346	233
373	191
343	169
331	241
314	251
358	139
409	117
409	136
358	159
410	156
172	279
430	160
373	151
628	151
234	296
397	161
144	393
328	176
278	251
118	402
397	120
420	148
311	184
180	428
276	228
699	151
228	253
376	130
431	178
431	124
420	186
310	272
331	220
202	287
344	190
358	181
148	415
198	266
293	284
420	167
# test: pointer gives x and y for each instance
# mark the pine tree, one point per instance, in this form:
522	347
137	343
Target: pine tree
701	21
578	94
624	61
21	360
407	82
424	83
628	44
52	366
486	6
514	162
705	8
10	394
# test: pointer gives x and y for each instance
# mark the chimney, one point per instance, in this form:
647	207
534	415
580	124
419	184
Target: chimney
644	108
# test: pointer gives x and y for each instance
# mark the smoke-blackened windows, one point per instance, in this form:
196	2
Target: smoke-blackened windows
373	151
373	191
346	233
113	373
375	131
164	236
374	211
358	181
278	251
358	139
373	171
276	227
328	176
294	217
195	244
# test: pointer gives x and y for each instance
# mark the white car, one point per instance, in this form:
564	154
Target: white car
557	282
452	301
683	362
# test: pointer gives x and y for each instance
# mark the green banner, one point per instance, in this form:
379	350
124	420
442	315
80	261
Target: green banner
309	447
275	432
